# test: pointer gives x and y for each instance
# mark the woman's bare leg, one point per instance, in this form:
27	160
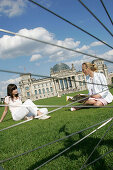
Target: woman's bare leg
90	102
87	102
98	103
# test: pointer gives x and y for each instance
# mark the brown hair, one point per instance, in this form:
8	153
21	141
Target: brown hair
10	88
91	66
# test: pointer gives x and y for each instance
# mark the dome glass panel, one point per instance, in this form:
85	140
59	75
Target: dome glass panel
61	66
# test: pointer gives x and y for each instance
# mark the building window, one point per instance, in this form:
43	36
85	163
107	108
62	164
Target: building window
47	90
39	91
43	91
35	92
61	84
51	89
79	77
65	82
27	88
83	82
112	80
28	94
69	80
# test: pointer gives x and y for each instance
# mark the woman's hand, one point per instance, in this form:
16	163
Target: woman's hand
96	96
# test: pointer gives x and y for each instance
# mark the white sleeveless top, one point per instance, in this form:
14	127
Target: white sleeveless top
97	88
13	104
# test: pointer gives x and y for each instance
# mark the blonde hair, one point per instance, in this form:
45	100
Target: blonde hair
91	66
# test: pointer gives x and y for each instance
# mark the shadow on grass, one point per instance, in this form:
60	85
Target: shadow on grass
1	168
85	148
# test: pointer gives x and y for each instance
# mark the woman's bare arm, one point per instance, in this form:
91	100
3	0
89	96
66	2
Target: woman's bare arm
96	96
4	113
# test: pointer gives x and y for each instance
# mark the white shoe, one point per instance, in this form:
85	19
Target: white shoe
44	117
73	109
37	117
69	98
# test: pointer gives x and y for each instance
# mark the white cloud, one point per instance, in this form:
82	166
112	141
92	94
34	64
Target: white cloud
69	43
4	84
83	48
96	43
107	55
62	54
35	57
15	46
16	80
78	63
11	7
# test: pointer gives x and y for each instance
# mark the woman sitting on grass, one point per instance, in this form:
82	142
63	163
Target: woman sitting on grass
27	110
97	87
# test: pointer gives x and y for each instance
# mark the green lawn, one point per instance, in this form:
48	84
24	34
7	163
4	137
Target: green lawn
63	122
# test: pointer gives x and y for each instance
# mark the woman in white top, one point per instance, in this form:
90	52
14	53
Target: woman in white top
97	86
27	110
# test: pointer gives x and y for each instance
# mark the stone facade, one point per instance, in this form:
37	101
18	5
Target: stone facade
64	80
36	89
68	80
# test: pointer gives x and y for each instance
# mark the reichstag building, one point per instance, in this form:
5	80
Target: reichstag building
62	80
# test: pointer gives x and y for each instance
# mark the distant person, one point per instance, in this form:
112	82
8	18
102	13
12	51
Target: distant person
27	110
97	87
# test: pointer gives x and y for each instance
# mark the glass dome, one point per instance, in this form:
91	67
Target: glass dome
59	67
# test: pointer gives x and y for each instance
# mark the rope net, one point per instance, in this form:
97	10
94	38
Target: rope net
105	122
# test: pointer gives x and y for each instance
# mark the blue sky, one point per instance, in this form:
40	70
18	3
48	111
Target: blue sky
23	17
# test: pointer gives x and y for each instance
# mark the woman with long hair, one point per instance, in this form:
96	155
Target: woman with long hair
19	110
97	86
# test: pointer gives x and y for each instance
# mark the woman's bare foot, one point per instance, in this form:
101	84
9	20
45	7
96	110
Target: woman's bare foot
28	118
39	113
